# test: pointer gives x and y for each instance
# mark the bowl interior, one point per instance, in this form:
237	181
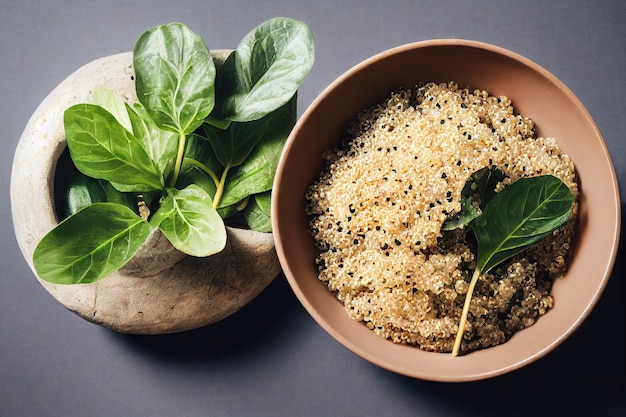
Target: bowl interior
535	93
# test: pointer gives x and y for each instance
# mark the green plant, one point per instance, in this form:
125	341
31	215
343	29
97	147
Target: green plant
199	148
508	222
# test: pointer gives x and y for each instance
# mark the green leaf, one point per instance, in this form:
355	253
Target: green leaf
265	70
256	174
90	245
82	191
233	145
174	77
111	102
101	148
520	215
478	191
257	213
160	144
186	217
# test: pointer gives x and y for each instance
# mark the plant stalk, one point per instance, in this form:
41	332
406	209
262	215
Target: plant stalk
179	157
466	306
203	168
220	188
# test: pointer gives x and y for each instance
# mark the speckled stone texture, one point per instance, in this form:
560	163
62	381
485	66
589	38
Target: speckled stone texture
160	290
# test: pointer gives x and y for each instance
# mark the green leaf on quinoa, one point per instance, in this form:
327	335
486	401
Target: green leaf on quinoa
520	215
517	217
476	193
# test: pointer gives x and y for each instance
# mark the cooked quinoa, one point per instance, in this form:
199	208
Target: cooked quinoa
379	204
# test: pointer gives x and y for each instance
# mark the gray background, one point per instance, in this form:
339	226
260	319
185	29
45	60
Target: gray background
271	358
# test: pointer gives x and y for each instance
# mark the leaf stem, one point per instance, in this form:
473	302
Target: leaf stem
203	168
463	320
220	188
179	157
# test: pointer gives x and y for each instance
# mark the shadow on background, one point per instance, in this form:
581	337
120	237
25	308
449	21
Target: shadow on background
255	326
588	369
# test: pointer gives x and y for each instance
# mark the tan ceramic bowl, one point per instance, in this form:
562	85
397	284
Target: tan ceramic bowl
535	93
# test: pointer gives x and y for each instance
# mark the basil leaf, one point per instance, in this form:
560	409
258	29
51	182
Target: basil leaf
186	217
101	148
234	144
521	214
257	218
174	77
90	245
160	144
479	190
265	70
256	174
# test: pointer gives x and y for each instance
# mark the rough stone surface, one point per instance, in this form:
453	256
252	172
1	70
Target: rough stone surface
161	290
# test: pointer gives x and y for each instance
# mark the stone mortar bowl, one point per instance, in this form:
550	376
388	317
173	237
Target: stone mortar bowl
535	93
160	290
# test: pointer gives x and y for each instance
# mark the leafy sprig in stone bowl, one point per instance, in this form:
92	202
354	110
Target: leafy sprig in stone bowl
196	152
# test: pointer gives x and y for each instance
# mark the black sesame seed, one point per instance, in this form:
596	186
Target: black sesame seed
397	242
442	121
355	241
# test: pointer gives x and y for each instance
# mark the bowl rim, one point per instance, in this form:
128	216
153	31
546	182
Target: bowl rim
456	42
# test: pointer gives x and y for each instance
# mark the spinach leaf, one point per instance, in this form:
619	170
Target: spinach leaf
160	144
257	213
256	174
520	215
111	102
189	222
234	144
174	77
476	193
265	70
102	148
90	244
83	191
